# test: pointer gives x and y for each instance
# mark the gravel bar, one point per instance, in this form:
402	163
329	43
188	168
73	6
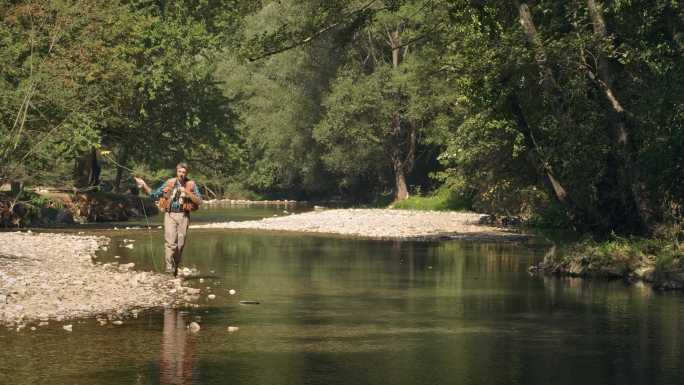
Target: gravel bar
378	223
52	277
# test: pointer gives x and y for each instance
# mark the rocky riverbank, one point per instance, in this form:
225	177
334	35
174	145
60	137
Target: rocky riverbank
648	261
53	277
380	223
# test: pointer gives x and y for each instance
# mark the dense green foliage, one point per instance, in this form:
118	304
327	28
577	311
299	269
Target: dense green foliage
565	113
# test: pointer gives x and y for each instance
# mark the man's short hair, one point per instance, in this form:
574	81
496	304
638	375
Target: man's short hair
182	165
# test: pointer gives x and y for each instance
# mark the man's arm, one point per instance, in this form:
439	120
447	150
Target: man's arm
156	194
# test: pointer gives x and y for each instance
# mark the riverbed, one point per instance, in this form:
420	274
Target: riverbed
335	310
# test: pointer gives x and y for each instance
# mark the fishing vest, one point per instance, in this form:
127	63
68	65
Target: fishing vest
166	199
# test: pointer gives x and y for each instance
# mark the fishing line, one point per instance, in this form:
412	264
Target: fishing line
142	204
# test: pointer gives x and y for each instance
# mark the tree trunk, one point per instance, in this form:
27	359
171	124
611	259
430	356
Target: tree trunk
123	158
556	187
87	170
527	24
401	163
636	211
395	38
552	91
400	179
675	19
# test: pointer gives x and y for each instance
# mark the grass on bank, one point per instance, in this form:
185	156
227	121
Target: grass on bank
441	200
665	256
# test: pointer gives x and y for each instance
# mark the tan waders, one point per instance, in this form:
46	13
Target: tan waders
175	230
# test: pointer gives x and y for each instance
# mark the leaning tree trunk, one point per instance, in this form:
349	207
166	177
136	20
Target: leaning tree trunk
636	211
552	91
530	30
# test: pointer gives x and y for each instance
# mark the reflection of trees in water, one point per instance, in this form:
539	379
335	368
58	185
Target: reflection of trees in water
175	366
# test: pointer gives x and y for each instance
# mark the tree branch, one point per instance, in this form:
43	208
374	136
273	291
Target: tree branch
312	36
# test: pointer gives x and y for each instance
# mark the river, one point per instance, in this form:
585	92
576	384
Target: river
351	311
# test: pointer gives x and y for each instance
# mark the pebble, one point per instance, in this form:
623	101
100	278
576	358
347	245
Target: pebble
192	291
68	327
194	327
129	246
117	322
232	329
232	291
211	296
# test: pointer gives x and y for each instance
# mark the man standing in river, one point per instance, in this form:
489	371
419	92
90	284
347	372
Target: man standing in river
177	198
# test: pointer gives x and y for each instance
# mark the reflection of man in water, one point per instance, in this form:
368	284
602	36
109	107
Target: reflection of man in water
175	363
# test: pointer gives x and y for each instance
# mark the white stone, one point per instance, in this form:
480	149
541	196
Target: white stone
232	329
232	291
194	327
68	327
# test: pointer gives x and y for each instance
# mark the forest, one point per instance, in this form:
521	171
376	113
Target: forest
563	113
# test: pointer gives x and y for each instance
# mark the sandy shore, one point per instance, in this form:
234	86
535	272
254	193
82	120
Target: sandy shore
378	223
51	277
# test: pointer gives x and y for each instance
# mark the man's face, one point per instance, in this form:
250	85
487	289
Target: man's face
181	173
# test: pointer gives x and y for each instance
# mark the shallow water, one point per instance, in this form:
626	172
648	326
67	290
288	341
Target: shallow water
350	311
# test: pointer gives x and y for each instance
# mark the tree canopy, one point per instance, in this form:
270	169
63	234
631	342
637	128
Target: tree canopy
565	113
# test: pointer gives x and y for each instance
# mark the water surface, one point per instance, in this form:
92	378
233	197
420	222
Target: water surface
350	311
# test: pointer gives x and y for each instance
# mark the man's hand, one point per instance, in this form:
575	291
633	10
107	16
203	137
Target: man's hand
141	184
139	181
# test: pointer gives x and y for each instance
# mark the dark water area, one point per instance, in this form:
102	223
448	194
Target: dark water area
352	311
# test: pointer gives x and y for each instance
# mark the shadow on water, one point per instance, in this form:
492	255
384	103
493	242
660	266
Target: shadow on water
352	311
